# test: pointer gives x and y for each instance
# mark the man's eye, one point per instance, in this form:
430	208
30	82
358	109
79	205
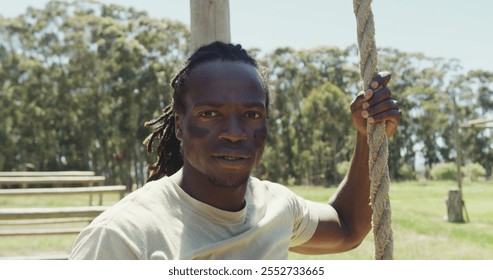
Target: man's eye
209	114
253	115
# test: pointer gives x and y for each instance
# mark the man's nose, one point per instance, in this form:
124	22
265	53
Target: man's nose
233	130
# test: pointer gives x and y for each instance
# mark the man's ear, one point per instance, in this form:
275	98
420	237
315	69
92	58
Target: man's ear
178	126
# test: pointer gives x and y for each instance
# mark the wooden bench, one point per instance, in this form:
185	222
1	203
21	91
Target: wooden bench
45	173
51	221
45	180
48	216
39	178
50	177
44	222
97	190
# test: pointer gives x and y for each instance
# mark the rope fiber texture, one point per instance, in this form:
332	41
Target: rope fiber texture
377	139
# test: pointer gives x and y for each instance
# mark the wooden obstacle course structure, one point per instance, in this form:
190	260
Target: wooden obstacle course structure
49	221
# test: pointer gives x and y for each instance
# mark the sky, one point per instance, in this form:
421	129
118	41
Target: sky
457	29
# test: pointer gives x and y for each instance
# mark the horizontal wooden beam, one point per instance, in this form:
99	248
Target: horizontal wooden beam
479	121
476	126
51	213
44	221
63	191
42	180
46	231
36	257
45	173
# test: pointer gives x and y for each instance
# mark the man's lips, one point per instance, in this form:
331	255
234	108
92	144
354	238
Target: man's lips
232	159
231	155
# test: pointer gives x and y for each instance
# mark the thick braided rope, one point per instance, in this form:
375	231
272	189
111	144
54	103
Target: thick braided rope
377	139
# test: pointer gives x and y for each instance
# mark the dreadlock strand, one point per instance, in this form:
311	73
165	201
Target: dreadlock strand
163	132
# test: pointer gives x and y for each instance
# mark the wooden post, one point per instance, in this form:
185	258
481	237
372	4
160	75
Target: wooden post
209	22
454	206
455	203
458	144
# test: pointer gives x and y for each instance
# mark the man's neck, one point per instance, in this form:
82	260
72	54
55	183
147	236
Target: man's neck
202	188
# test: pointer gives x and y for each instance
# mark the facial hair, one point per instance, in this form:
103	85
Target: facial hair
229	181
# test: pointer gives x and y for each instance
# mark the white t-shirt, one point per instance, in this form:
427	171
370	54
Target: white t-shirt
161	221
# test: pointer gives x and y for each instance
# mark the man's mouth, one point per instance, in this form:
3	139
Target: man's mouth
232	157
234	160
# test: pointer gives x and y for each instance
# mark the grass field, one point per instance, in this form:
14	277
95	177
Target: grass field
418	216
44	245
421	231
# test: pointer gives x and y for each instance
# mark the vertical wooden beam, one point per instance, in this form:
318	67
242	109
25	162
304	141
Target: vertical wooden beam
209	22
455	203
458	144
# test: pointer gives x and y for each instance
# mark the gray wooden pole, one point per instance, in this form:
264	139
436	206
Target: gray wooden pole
458	144
454	201
209	22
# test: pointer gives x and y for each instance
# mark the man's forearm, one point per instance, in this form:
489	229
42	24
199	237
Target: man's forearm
352	198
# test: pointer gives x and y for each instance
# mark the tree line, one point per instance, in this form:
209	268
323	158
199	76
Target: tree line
79	79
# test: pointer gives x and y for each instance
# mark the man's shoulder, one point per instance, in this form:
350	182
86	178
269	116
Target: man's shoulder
150	192
138	205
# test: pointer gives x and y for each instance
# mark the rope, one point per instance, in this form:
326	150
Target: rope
377	139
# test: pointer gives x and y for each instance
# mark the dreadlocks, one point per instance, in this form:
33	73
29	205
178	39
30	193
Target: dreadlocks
169	154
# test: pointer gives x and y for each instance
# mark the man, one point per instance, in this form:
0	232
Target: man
201	201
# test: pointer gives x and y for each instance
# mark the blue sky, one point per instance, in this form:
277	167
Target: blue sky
438	28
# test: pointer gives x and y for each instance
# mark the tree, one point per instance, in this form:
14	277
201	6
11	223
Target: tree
330	138
473	92
293	74
82	78
419	83
79	79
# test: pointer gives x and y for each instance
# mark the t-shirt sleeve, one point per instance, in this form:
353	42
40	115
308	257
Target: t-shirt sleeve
101	243
305	222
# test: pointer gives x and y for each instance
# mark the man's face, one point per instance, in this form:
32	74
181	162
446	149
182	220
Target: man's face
223	129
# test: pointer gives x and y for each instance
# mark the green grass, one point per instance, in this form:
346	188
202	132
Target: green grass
418	212
44	245
420	229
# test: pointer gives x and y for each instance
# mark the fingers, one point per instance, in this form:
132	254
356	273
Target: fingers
373	101
392	115
380	85
381	80
376	105
368	99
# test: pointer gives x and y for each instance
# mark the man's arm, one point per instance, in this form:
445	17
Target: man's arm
346	220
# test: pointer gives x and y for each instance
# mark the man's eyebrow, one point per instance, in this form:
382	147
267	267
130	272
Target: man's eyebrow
220	104
208	104
254	104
